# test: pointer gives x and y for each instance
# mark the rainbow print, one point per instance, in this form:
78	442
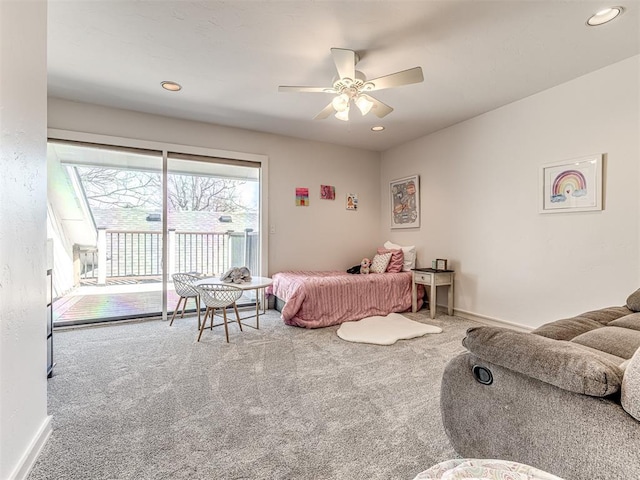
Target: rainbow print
568	183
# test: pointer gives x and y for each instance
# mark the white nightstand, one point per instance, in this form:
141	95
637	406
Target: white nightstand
433	278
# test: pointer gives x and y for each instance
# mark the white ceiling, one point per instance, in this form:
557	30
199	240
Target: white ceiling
230	57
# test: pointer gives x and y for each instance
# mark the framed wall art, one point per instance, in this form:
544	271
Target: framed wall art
352	201
405	202
327	192
571	185
302	197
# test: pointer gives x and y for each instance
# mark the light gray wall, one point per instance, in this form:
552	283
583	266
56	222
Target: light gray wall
322	236
480	187
24	424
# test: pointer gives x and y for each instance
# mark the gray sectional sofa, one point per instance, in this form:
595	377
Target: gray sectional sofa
564	398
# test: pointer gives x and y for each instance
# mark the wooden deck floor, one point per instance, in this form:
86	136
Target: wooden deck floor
115	305
86	308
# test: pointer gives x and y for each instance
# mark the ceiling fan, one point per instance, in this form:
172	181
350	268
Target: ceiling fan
353	86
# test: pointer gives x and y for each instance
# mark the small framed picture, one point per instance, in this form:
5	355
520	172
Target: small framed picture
302	197
441	264
327	192
352	201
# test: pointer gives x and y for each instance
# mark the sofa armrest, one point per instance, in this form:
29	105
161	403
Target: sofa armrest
557	362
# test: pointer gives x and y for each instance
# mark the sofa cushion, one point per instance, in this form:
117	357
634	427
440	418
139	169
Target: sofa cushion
622	342
630	390
631	321
606	315
613	358
625	364
560	363
633	302
569	328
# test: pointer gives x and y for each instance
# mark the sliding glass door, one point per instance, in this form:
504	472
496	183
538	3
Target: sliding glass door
213	213
120	224
104	204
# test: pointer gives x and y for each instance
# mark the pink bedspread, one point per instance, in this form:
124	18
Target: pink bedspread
320	299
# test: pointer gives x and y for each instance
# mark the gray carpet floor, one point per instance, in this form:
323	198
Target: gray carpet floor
143	400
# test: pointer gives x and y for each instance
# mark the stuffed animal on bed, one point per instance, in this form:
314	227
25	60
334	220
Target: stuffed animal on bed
364	266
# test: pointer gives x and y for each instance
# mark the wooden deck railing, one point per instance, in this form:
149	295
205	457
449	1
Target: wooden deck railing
139	253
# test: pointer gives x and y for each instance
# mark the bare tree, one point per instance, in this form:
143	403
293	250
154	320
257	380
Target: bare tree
136	189
189	192
121	188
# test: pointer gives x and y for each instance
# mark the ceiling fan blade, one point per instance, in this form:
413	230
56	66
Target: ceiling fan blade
326	111
285	88
379	109
345	61
405	77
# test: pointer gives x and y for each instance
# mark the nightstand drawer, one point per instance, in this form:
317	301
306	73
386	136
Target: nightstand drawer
422	277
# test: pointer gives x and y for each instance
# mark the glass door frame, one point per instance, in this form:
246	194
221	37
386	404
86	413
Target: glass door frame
166	149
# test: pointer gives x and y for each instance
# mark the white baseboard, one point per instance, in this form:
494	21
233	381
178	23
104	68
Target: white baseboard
30	456
494	322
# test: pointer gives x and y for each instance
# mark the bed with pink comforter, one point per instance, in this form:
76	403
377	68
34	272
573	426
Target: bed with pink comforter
319	299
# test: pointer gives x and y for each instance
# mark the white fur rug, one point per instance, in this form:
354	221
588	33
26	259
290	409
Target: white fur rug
384	330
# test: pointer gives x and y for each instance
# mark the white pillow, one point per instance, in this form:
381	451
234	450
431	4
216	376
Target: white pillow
408	252
380	262
630	389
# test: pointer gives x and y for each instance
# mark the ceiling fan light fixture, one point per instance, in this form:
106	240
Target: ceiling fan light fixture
341	103
351	84
343	115
364	104
604	16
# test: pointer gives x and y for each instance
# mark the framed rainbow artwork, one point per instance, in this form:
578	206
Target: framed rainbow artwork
572	185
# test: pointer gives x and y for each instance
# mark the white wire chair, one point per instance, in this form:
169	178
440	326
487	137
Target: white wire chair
184	284
222	296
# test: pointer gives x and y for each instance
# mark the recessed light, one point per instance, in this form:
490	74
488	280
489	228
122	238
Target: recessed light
604	16
171	86
377	128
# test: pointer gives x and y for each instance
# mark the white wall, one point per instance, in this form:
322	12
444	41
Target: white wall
24	424
323	235
480	201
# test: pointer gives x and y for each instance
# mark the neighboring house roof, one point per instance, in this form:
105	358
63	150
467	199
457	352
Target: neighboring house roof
133	219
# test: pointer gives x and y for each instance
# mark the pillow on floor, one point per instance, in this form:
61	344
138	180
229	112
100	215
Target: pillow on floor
630	389
408	252
380	262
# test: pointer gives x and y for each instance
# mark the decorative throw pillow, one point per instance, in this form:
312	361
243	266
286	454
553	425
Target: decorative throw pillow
633	302
379	263
630	389
397	259
408	252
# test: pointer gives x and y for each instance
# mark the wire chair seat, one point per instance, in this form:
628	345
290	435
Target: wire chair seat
184	285
215	295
